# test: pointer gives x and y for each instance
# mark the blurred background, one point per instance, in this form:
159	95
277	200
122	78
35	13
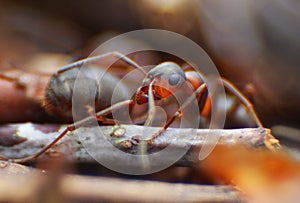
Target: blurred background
251	42
254	43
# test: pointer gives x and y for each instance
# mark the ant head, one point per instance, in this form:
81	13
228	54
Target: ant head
166	79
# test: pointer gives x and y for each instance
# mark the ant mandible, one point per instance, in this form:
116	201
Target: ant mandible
159	83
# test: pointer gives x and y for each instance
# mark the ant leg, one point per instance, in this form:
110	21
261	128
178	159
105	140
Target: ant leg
14	80
148	122
248	92
178	113
72	127
99	57
8	78
101	119
106	121
151	106
270	142
229	86
45	149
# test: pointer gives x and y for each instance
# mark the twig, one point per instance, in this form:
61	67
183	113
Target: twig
127	138
114	190
77	188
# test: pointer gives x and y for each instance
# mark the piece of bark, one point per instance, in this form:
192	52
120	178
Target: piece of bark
22	94
118	190
128	139
75	188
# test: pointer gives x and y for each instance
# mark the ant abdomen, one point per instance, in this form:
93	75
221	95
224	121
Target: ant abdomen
93	88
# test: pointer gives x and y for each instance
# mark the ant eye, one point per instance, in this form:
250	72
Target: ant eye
174	79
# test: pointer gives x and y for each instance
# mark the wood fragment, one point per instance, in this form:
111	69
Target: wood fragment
122	190
77	188
21	94
73	146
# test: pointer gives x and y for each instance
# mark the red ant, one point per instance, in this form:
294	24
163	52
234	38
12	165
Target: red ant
159	83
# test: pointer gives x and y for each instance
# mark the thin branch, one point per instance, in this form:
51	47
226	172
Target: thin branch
127	138
74	188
